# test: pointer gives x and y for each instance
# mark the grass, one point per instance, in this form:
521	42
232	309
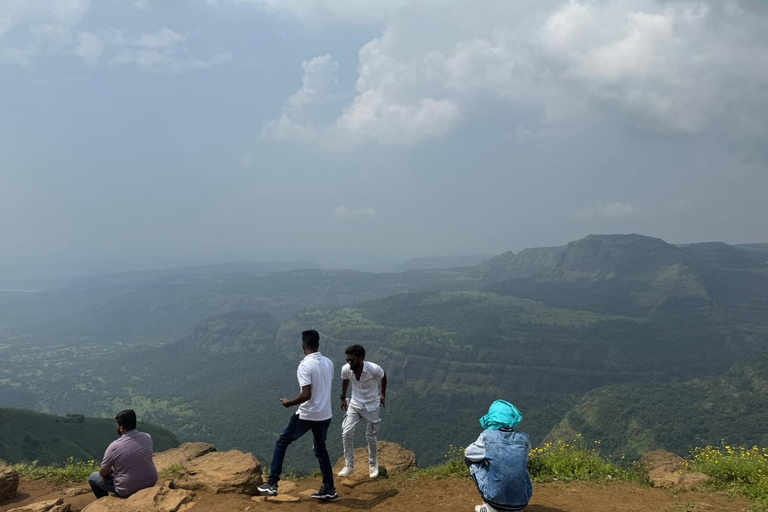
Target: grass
736	469
71	471
554	462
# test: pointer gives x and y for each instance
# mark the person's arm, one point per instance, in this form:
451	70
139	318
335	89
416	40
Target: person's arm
306	394
383	394
476	451
107	461
344	388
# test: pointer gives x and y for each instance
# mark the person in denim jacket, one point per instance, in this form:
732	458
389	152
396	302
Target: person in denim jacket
498	460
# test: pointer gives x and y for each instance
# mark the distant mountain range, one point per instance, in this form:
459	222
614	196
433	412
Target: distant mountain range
558	331
435	262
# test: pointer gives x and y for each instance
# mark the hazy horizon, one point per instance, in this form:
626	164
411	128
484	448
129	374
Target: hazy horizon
140	134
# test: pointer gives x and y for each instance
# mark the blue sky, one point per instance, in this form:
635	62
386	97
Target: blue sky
153	133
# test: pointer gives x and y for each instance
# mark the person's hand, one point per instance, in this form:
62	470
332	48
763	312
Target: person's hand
382	400
284	402
343	404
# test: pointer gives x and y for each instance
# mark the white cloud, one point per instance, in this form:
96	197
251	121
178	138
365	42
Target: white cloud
164	50
322	11
342	212
608	211
89	47
684	67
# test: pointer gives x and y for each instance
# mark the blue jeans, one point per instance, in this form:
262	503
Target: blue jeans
101	485
295	429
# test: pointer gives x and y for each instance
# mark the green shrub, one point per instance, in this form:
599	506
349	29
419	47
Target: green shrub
71	471
736	468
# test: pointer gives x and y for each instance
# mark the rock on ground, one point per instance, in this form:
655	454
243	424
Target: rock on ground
57	505
178	456
393	460
669	471
9	482
222	472
154	499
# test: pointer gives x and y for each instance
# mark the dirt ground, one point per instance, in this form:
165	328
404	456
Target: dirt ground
429	495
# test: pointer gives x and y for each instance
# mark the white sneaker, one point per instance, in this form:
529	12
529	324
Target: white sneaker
347	471
484	508
373	470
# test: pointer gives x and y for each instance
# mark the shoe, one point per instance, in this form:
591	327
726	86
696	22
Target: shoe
373	470
267	489
484	508
347	471
325	494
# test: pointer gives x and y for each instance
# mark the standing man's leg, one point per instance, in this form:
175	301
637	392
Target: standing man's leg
372	422
351	420
295	429
320	433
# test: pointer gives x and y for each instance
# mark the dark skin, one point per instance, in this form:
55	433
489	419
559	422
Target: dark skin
120	430
306	391
356	365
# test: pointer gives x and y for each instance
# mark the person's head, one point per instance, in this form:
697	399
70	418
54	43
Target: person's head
355	356
310	341
126	421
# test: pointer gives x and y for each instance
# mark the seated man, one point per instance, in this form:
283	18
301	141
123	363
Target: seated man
127	466
498	460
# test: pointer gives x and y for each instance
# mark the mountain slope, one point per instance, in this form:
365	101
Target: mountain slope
27	436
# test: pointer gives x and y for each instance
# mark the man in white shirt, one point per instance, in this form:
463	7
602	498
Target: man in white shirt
315	374
365	405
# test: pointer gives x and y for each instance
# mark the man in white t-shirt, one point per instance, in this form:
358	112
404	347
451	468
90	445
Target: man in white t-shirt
367	399
315	375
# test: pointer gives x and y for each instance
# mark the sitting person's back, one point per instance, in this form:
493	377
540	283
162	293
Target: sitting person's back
498	460
127	466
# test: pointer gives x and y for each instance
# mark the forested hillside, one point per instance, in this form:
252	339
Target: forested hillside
27	436
210	355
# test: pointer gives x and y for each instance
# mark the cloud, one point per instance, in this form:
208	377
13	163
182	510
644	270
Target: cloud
325	11
684	68
89	47
342	212
31	28
164	51
608	211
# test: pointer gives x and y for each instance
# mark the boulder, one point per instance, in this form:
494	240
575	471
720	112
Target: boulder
57	505
393	460
76	491
154	499
9	482
669	471
178	456
222	472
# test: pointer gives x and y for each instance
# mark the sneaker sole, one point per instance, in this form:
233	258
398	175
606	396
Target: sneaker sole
326	497
267	493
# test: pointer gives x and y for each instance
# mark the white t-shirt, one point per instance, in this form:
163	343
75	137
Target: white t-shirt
317	371
365	392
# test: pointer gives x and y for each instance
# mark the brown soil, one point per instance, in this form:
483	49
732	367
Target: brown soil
429	495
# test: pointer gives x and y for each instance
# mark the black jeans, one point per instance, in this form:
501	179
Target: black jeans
295	429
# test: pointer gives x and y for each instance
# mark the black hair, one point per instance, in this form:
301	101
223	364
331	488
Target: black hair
311	339
355	350
126	419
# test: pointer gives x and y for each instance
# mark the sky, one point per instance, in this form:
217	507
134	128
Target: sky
141	134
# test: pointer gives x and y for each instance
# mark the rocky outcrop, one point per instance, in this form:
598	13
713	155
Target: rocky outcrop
9	482
668	471
221	472
178	456
393	460
154	499
57	505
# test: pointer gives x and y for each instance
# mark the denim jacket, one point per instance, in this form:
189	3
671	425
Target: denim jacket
500	468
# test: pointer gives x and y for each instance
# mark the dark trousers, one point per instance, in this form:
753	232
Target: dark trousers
295	429
101	485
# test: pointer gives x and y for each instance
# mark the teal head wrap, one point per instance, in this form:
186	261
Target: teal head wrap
501	415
